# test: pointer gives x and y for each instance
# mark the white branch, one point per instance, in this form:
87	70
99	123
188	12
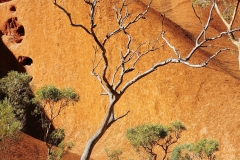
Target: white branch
202	33
121	20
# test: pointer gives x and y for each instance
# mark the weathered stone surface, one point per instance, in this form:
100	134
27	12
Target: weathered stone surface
27	148
2	1
207	100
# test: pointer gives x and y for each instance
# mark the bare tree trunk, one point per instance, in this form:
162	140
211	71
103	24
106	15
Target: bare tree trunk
91	143
107	122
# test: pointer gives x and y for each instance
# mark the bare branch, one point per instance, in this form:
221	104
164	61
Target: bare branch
204	64
94	66
122	115
121	19
234	13
150	49
70	18
101	82
197	14
231	31
139	16
220	14
229	25
123	61
138	77
202	34
127	57
179	59
172	47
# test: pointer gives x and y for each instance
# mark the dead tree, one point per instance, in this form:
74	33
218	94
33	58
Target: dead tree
117	85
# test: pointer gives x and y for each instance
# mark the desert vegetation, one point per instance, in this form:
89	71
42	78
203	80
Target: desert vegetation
146	138
50	102
17	98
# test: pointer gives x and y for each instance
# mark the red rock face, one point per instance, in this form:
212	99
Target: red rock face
26	148
13	30
2	1
207	100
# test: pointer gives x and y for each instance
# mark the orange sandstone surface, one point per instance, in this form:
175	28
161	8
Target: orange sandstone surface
28	148
206	100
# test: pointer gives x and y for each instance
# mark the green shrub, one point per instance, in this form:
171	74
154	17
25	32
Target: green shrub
203	149
15	88
56	137
9	125
147	136
114	154
52	101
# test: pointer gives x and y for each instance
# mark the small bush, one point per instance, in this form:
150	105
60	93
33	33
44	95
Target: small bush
203	149
114	154
15	88
9	125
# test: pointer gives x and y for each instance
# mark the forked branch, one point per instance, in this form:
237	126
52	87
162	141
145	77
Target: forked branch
70	18
229	25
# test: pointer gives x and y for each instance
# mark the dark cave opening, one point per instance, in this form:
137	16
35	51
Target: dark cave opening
13	8
21	30
25	61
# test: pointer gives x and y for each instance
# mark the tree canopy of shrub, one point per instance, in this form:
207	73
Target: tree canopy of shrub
147	136
57	138
9	124
15	88
203	149
114	154
51	101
